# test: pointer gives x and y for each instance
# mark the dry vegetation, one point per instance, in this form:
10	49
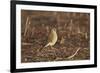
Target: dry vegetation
73	30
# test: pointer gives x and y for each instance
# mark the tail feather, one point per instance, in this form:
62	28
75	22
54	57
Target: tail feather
44	46
47	45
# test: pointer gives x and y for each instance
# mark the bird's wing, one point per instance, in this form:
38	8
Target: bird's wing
50	37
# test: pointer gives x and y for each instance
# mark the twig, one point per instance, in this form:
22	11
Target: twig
26	26
27	44
65	26
73	54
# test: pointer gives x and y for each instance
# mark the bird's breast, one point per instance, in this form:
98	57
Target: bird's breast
54	38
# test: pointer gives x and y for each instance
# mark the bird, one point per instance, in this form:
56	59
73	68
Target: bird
52	38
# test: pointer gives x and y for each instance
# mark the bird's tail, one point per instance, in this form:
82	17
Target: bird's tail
44	46
47	45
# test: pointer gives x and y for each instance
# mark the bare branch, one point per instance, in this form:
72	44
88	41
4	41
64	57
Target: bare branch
27	43
26	26
73	54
